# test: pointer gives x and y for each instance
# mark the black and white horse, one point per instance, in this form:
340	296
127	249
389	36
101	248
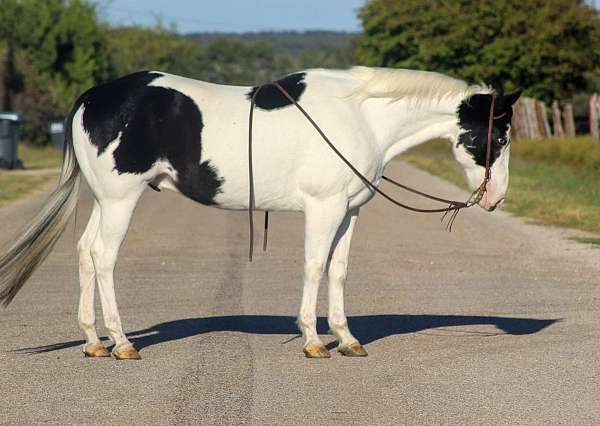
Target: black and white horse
189	136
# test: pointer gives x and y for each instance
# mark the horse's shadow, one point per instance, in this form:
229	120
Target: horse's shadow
366	328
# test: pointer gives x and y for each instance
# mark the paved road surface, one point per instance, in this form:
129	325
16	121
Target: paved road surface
497	322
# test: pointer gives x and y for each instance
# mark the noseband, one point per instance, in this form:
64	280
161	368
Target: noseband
450	212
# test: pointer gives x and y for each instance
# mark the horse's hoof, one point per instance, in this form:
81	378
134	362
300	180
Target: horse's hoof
316	351
95	350
355	349
126	352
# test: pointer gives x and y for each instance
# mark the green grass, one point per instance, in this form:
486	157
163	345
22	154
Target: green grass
580	152
13	187
15	184
39	158
553	182
595	242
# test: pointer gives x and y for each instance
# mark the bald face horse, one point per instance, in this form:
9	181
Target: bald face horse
188	136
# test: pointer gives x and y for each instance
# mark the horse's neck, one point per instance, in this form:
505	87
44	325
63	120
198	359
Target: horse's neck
400	125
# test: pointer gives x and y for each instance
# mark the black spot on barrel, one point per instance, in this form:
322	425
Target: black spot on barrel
154	123
270	97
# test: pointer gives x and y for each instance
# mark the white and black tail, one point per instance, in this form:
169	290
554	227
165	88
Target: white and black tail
20	258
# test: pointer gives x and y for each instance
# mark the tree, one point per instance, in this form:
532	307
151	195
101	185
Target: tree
221	60
231	61
157	48
547	47
60	50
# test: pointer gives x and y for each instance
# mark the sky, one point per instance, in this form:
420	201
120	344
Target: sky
235	15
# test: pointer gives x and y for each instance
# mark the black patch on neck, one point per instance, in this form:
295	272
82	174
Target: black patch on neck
473	118
155	123
270	97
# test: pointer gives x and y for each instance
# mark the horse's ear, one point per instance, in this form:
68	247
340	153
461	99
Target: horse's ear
506	101
498	86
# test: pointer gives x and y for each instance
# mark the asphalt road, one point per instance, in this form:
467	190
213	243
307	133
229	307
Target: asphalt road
497	322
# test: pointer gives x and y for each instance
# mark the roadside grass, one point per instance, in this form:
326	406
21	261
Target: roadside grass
39	158
553	182
13	187
595	242
15	184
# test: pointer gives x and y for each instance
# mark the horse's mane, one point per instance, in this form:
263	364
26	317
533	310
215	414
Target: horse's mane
403	83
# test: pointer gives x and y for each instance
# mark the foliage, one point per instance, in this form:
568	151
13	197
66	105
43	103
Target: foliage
310	49
235	62
291	42
551	48
158	48
60	51
223	60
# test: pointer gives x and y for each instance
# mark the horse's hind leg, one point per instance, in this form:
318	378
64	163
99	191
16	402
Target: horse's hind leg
338	266
322	219
87	283
114	221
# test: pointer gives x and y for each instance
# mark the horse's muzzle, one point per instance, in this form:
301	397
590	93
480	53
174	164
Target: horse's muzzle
490	206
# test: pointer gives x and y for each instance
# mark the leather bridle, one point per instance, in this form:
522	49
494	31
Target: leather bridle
450	212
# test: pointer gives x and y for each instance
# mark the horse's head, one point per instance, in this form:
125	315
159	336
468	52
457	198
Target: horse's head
470	144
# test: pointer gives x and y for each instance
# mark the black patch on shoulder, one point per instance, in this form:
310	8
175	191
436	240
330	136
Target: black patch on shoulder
155	123
270	97
473	116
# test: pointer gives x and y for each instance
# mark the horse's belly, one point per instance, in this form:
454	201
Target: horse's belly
278	197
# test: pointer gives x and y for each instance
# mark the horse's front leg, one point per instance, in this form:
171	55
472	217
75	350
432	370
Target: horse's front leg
338	266
322	219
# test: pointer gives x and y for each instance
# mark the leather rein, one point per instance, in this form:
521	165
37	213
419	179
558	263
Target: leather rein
452	210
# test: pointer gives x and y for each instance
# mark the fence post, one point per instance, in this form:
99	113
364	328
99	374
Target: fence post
534	122
517	127
569	120
593	114
542	119
557	121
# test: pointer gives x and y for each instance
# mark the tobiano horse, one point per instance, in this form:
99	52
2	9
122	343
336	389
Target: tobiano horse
188	136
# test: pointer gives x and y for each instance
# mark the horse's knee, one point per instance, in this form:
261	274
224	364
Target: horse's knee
86	264
86	325
306	321
313	270
338	272
100	259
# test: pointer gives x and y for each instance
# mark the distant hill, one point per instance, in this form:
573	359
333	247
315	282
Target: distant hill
292	42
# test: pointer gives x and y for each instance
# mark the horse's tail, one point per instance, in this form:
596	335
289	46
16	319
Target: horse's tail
20	258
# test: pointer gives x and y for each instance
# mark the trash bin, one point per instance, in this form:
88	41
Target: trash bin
10	131
57	132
